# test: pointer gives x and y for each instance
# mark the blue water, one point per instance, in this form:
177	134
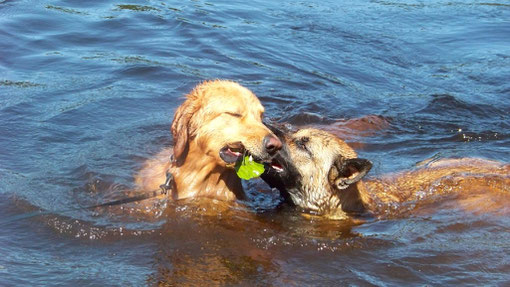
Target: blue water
88	91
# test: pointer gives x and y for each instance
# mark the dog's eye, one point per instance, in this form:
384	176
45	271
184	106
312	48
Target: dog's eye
237	115
301	143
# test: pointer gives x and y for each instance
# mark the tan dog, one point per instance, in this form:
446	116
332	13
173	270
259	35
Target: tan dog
321	174
217	124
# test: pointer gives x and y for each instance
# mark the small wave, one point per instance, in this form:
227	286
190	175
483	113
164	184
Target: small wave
445	105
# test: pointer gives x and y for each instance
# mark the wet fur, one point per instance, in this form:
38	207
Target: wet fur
317	169
214	114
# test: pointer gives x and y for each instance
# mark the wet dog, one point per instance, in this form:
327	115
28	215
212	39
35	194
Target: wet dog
218	123
322	175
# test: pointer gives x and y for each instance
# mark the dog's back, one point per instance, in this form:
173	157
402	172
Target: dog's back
464	180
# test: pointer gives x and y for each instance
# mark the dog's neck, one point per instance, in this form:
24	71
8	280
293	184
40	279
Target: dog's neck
371	196
365	197
203	177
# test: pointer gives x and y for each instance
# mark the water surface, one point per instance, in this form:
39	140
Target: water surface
88	91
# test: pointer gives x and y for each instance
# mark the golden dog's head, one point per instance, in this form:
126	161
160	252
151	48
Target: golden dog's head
317	171
222	120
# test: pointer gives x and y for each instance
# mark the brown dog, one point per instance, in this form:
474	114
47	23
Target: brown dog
321	174
217	124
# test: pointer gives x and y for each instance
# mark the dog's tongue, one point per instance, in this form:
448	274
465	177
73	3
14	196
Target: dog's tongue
247	168
235	153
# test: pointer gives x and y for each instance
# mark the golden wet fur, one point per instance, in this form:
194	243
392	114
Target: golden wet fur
323	166
214	114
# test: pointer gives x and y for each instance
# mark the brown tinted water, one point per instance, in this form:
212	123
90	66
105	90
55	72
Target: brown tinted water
88	90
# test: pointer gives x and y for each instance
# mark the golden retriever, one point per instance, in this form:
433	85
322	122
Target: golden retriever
217	124
321	174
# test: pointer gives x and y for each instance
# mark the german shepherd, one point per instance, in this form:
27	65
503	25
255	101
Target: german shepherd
322	175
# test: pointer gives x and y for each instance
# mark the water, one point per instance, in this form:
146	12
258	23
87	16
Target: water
88	91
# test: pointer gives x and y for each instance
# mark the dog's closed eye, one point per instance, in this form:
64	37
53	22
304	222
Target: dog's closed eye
237	115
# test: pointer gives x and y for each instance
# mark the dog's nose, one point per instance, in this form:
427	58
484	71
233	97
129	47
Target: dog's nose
272	144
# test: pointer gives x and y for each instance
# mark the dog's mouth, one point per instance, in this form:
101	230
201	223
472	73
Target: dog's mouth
232	152
276	166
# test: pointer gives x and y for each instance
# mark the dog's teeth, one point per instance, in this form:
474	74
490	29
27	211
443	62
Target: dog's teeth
235	152
277	168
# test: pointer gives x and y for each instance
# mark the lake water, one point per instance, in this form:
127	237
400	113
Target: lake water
88	90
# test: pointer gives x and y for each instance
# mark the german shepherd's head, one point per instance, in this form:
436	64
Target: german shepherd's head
318	172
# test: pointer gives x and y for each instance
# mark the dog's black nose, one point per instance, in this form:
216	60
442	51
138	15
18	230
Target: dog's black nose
272	144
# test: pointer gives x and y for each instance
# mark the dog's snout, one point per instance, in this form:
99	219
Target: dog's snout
272	144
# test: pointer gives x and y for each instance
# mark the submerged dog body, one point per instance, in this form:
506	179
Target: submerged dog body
322	175
218	123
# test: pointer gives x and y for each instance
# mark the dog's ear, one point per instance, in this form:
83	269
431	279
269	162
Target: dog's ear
345	172
183	129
